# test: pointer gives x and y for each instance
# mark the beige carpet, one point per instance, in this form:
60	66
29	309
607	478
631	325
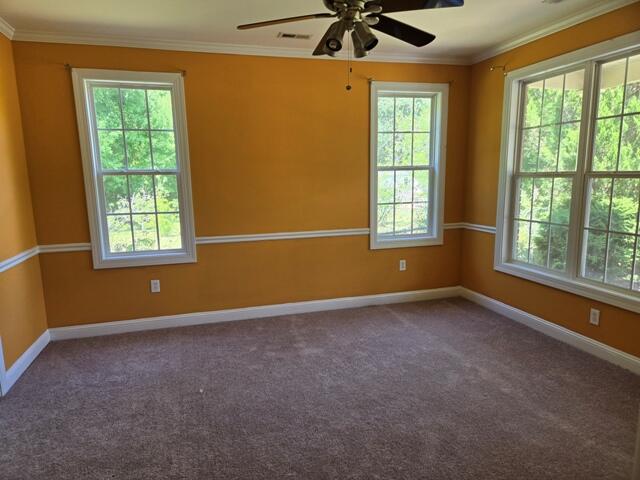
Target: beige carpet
439	390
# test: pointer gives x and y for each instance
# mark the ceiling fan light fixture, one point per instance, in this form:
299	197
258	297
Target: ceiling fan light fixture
363	37
335	35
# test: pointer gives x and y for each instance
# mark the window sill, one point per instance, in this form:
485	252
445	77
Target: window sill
585	289
142	260
378	244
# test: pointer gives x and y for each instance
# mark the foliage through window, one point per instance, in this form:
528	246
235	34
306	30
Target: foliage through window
407	164
573	190
137	164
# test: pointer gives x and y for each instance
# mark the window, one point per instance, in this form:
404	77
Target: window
408	134
133	135
570	184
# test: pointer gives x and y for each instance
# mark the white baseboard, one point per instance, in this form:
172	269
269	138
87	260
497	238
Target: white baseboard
9	377
598	349
201	318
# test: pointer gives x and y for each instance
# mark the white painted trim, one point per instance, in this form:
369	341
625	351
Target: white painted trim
213	47
593	347
12	375
6	29
65	247
18	259
3	373
248	313
601	8
261	237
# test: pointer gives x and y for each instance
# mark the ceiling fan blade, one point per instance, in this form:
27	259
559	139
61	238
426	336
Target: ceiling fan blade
390	6
402	31
285	20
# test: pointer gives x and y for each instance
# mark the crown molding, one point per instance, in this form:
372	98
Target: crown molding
580	17
212	47
6	29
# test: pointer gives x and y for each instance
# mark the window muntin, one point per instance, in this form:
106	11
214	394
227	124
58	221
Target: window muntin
134	136
406	164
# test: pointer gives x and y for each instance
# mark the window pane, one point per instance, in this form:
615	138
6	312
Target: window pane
558	245
611	88
525	192
596	251
107	107
386	187
530	144
620	260
422	115
600	196
632	100
167	193
552	103
549	138
605	152
142	200
385	219
404	114
630	147
160	109
420	148
119	227
385	114
145	233
403	219
562	193
572	103
533	104
116	193
134	106
138	150
421	186
403	149
636	275
169	227
420	218
569	142
521	234
624	206
541	199
164	150
404	186
539	244
111	149
385	149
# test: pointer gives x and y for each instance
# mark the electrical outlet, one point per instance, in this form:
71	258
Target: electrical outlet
403	265
155	286
594	317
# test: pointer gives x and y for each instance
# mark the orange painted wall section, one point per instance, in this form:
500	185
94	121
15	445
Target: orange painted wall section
619	328
22	313
277	145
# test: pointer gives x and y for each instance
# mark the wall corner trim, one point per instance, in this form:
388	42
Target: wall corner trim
6	29
582	342
10	377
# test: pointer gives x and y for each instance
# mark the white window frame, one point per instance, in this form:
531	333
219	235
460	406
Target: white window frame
439	92
83	79
587	58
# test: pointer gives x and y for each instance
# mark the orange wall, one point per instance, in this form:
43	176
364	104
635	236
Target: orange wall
22	316
619	328
276	145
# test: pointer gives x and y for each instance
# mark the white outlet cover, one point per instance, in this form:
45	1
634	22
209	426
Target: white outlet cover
403	265
155	286
594	317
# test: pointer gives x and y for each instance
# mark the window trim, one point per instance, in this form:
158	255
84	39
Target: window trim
572	282
438	146
102	258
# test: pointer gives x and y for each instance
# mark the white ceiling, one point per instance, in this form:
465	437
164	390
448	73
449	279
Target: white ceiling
479	28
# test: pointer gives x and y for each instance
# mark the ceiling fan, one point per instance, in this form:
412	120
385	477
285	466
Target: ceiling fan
359	17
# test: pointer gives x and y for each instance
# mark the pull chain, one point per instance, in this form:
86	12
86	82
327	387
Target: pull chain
349	68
